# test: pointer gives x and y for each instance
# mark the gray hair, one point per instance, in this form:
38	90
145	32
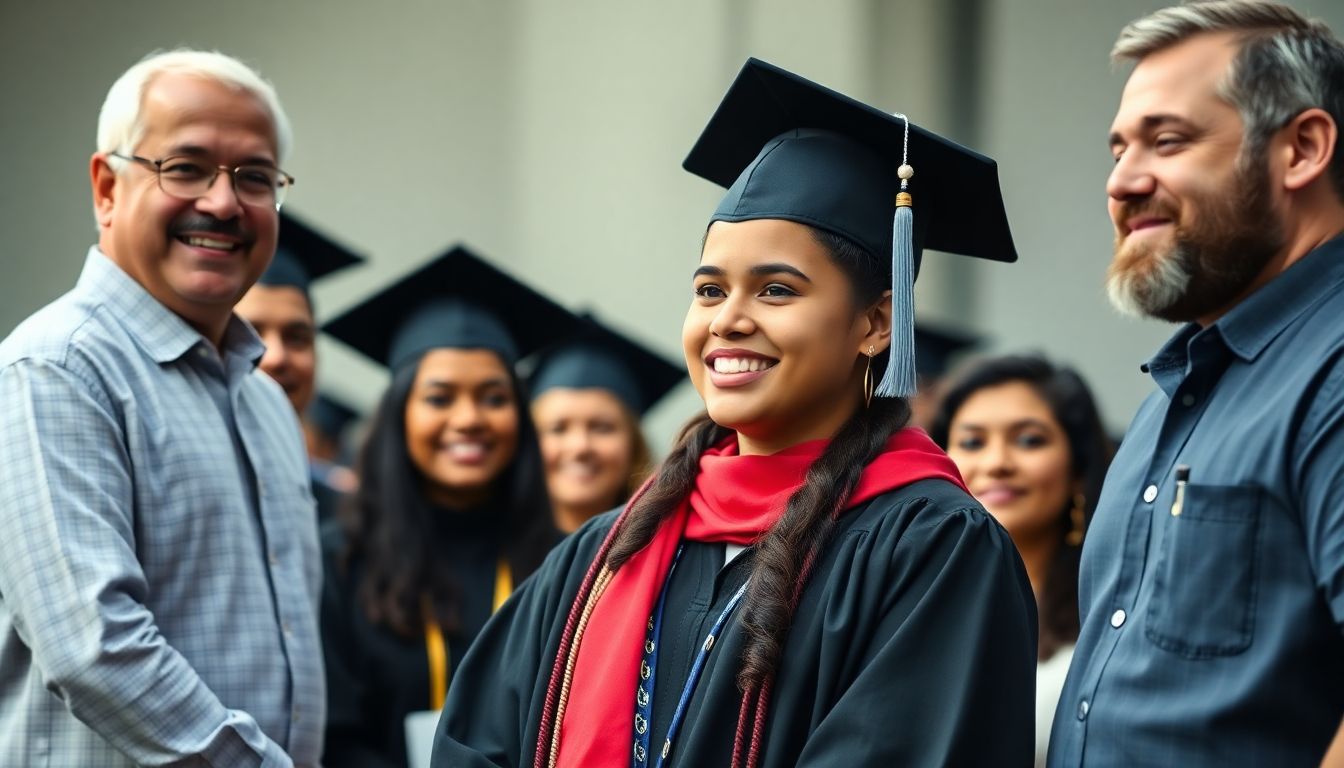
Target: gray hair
120	124
1287	64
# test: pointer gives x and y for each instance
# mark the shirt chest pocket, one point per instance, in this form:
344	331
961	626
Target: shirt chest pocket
1205	575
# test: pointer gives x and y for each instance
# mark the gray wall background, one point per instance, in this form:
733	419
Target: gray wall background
549	136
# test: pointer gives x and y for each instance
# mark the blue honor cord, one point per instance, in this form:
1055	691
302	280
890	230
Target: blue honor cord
648	667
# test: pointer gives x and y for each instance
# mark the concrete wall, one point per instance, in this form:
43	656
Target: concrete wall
550	135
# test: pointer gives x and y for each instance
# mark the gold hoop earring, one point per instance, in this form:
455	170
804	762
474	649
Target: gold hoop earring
1074	537
868	379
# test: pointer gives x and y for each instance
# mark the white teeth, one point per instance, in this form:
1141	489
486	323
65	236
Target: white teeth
466	450
740	364
578	469
205	242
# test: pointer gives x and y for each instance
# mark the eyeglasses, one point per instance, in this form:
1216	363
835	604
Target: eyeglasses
189	178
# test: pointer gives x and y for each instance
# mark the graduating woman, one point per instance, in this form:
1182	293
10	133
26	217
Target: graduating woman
588	395
451	511
805	581
1028	439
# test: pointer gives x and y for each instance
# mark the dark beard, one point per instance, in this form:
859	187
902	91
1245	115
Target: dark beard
1215	255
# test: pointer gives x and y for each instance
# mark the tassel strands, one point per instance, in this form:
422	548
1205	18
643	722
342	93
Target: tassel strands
899	378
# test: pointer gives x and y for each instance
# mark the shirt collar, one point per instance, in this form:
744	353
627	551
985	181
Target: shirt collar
1251	325
163	335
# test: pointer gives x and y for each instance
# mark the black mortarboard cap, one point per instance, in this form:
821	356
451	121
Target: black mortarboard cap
457	301
935	346
788	148
600	357
302	255
830	161
330	415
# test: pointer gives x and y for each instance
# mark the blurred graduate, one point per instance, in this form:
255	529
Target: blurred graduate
588	395
451	512
806	581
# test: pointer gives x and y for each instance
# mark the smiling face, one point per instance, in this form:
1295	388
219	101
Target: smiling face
461	424
1015	459
587	446
196	257
1194	220
283	319
773	340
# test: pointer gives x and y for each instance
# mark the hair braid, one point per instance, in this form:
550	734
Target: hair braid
785	554
675	479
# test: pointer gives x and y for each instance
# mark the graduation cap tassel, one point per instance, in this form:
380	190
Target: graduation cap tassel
899	379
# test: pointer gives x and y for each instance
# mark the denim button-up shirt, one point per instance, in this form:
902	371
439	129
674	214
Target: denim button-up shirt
159	570
1212	608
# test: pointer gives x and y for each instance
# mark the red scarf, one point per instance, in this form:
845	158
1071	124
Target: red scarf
736	499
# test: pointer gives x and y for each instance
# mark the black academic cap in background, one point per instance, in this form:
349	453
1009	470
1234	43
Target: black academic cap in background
330	415
458	301
600	357
302	255
935	346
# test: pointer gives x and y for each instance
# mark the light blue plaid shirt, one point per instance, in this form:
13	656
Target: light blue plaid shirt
159	567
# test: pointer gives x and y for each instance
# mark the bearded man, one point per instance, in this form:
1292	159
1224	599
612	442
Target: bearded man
1212	584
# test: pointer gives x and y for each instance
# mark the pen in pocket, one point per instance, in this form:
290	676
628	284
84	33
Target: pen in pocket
1182	480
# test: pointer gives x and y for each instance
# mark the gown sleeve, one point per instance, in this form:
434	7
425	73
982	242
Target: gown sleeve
492	712
946	675
349	740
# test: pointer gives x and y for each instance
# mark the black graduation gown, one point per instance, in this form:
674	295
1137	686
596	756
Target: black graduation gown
914	645
375	677
327	497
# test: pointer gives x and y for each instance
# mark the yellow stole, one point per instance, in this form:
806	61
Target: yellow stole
438	649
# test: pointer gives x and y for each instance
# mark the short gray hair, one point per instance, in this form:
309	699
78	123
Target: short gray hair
120	127
1287	64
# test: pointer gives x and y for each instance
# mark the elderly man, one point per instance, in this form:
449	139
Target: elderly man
158	564
1212	585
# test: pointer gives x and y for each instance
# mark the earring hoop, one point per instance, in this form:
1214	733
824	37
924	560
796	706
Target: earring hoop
868	382
1074	537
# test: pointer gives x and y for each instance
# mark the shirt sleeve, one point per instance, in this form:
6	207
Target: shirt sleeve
1319	469
75	590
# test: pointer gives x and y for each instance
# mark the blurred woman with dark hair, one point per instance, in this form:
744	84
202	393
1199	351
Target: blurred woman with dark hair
451	511
1030	444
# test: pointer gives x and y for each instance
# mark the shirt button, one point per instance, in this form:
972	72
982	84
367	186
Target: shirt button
1187	400
1118	618
1082	709
1150	493
275	561
289	631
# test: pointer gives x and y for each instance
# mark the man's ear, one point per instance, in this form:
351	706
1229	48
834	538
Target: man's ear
104	182
878	326
1306	145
